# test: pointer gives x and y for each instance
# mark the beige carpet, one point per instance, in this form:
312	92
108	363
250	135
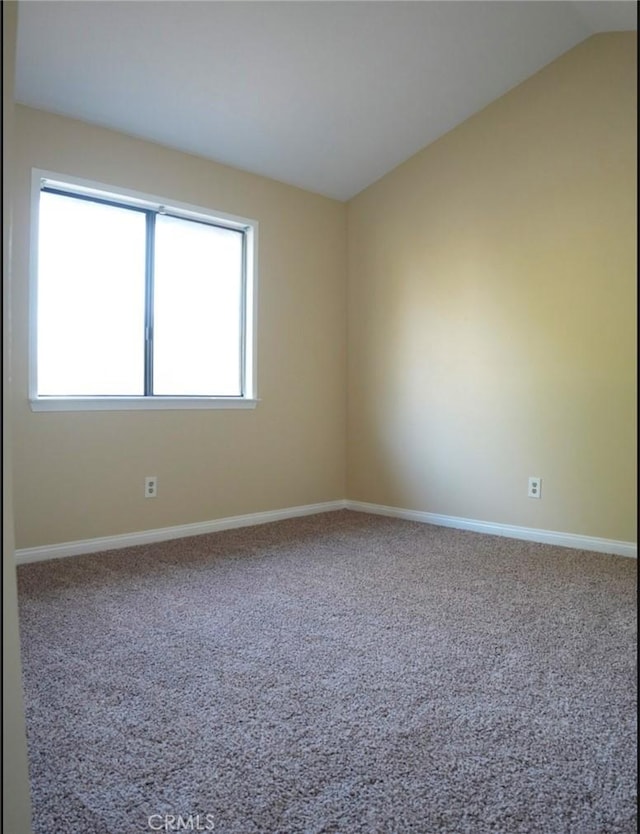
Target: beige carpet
338	674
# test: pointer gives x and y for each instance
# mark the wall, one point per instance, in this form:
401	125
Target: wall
492	282
491	325
16	810
80	475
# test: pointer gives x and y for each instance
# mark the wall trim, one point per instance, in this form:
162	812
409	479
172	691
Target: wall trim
26	555
609	546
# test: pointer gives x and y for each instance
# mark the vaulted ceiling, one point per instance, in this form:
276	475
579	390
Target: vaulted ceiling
327	96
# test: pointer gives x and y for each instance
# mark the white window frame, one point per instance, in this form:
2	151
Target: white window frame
125	196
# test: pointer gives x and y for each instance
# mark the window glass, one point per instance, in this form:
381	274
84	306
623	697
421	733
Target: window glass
197	322
136	302
91	298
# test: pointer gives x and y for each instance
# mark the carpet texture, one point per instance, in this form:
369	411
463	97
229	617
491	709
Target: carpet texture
337	674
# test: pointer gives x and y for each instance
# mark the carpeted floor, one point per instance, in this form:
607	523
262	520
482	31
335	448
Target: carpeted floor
342	673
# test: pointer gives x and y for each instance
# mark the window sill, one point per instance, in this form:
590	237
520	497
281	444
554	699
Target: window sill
139	403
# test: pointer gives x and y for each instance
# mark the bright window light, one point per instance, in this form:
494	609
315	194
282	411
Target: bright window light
140	301
91	298
197	309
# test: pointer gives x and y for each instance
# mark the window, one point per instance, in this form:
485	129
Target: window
139	303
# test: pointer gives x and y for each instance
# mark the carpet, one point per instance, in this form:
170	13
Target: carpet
337	674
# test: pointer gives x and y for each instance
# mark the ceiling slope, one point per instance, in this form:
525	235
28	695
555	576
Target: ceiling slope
327	96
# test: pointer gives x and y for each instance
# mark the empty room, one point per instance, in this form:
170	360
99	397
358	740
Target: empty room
319	399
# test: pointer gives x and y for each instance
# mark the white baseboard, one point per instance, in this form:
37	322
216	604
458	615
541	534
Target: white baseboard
56	551
611	546
37	554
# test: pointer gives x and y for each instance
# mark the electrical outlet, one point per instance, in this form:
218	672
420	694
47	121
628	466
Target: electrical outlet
151	486
535	487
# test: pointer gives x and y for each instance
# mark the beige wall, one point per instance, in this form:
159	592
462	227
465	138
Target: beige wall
492	299
80	475
491	330
16	810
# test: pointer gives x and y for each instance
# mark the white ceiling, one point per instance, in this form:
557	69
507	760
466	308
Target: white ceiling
328	96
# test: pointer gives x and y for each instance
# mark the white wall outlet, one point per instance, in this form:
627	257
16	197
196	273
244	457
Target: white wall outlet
151	486
535	487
